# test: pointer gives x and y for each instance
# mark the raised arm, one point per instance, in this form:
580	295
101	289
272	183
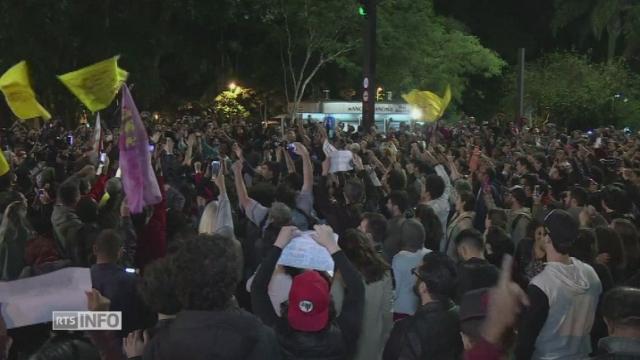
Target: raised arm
350	318
241	189
260	300
254	211
307	167
291	167
225	218
188	156
447	182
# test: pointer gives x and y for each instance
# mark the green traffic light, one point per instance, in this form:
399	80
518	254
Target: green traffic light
362	11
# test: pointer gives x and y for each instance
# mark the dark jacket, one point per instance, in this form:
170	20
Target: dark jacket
109	213
82	255
339	217
326	345
475	274
393	239
338	340
66	225
481	209
232	334
117	285
433	332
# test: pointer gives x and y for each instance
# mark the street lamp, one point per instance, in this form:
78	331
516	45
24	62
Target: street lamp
232	86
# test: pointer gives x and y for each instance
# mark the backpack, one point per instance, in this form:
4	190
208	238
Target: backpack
516	221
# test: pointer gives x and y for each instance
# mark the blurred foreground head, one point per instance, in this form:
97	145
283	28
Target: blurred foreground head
205	270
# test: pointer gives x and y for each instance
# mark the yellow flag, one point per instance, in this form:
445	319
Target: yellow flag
4	165
430	104
96	85
16	87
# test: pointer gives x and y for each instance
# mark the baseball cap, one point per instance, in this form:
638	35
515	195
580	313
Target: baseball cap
562	229
309	302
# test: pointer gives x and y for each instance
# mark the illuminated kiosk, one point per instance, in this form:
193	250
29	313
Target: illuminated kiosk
388	115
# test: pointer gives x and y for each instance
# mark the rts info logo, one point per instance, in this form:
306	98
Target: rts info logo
87	320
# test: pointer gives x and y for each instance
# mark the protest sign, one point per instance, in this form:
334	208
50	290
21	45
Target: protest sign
341	160
305	253
33	300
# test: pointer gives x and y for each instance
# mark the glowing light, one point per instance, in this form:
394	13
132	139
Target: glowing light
416	114
232	86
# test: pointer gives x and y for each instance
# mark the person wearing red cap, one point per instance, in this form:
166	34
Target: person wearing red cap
310	328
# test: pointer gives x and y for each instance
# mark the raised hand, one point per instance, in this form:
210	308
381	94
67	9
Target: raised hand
134	343
97	302
237	150
299	149
324	237
237	167
284	237
506	300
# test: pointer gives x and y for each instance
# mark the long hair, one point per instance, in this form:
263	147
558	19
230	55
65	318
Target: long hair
610	242
15	218
359	251
209	219
432	226
629	235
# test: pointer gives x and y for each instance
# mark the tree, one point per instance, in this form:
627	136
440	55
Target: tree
419	49
311	34
574	91
618	19
235	104
172	49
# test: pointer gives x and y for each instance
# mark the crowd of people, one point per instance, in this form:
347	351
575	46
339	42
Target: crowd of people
477	240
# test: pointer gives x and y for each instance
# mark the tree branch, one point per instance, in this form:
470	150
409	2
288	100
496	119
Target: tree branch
323	60
284	74
289	51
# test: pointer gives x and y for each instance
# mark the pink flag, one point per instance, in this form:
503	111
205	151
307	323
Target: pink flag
138	178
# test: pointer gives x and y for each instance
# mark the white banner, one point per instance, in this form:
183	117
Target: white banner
33	300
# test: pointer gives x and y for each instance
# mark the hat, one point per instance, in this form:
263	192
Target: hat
562	228
309	302
473	310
